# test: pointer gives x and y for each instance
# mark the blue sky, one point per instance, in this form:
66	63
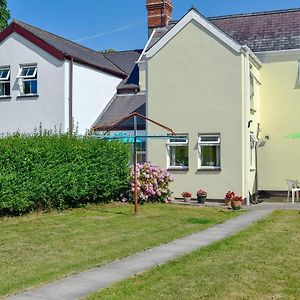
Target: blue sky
119	24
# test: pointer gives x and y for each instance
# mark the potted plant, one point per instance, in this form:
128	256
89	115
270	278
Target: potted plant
186	196
201	196
228	198
236	203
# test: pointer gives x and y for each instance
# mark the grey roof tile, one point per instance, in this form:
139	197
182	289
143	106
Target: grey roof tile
70	48
261	31
121	106
126	60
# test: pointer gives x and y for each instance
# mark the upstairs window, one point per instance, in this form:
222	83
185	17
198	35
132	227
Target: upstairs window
4	82
209	151
28	77
178	152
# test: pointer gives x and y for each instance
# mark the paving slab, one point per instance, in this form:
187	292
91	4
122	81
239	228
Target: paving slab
82	284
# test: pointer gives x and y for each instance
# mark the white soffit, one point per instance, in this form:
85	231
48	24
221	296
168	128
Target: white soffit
278	55
190	16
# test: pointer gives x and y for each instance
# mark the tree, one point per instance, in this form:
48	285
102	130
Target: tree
110	50
4	14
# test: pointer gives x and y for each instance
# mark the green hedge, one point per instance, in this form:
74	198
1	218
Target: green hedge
59	171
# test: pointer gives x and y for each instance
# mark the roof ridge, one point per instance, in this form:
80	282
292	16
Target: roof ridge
63	38
18	21
258	13
122	51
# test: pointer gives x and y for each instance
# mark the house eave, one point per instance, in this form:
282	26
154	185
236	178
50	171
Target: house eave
14	27
196	16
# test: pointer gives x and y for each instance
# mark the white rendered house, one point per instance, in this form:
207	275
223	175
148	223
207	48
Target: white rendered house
48	80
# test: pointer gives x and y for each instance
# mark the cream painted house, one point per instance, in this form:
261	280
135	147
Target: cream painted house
229	86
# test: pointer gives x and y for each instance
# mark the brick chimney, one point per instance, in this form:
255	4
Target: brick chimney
159	13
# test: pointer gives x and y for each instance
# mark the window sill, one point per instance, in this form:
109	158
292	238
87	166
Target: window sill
5	98
28	96
178	168
209	169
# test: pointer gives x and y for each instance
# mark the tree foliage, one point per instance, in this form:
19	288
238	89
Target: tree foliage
4	14
109	50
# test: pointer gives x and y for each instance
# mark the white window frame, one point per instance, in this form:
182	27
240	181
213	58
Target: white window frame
28	67
5	80
25	78
216	143
8	74
175	143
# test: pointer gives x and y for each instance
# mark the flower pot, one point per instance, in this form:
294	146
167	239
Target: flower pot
228	202
201	199
187	199
236	204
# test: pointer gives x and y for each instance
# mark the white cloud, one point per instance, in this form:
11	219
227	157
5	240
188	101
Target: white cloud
115	30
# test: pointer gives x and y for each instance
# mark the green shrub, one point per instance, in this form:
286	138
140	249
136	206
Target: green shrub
59	171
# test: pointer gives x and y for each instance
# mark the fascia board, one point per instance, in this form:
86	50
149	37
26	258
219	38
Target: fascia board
193	15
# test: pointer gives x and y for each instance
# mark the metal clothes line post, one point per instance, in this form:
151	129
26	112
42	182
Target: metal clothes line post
135	166
110	126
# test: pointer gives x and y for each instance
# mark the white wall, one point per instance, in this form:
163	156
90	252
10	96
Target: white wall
92	91
24	114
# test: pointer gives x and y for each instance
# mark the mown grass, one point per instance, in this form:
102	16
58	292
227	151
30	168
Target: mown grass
261	262
39	248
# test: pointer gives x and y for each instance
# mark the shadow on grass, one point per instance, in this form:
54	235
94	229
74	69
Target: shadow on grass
198	221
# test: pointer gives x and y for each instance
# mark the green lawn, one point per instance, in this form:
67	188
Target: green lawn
262	262
39	248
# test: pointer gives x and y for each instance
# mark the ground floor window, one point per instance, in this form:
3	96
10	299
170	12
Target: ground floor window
141	152
209	156
178	152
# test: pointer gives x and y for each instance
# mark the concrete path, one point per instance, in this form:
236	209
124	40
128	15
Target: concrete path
82	284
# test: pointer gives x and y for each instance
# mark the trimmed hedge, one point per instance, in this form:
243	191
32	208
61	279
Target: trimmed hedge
60	171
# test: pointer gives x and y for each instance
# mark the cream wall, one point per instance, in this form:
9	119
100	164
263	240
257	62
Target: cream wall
278	157
194	86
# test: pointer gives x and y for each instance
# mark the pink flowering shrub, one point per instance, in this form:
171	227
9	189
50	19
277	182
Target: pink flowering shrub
152	182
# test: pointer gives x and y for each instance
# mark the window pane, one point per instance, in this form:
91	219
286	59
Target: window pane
210	156
24	71
3	74
178	140
141	158
251	87
2	91
33	86
179	156
141	146
30	87
5	89
26	87
209	138
28	71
